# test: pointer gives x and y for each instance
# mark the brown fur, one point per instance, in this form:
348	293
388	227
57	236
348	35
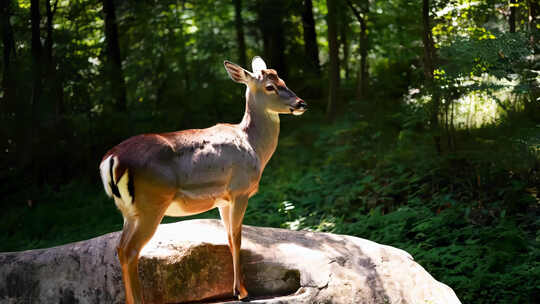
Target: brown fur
272	75
136	151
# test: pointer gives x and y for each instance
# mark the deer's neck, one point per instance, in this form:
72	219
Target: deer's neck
261	127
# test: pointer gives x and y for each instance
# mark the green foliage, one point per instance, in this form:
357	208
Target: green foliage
501	55
72	213
470	220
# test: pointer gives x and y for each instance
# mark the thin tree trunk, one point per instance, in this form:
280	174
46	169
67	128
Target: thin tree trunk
54	79
53	82
364	47
36	53
8	79
181	42
49	27
311	47
429	68
271	15
532	106
427	39
118	84
30	115
453	128
534	10
344	29
512	17
334	60
363	75
239	24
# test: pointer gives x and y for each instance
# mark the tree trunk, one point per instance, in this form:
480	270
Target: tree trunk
30	113
429	68
363	74
8	79
36	53
427	39
512	17
344	29
54	90
118	84
55	81
532	106
364	47
239	24
49	27
271	15
534	10
334	64
181	42
311	47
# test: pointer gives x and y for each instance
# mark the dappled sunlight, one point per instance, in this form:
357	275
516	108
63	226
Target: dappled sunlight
474	110
296	250
479	108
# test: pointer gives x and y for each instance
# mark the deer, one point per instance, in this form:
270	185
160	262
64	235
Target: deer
192	171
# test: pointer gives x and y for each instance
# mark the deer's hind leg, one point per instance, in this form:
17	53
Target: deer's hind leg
138	230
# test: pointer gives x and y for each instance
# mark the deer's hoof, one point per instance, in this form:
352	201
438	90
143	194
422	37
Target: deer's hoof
246	298
242	297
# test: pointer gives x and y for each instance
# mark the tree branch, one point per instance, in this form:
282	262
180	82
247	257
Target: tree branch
55	6
356	12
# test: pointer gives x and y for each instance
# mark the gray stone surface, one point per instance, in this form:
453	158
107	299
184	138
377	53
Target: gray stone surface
190	260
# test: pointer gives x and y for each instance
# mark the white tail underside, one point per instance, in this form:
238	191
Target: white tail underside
108	176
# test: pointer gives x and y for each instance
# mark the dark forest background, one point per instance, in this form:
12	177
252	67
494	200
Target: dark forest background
423	130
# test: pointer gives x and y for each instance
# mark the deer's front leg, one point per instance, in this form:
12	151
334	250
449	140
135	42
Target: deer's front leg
232	217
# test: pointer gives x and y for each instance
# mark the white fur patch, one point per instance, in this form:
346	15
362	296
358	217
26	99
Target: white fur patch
115	164
257	64
104	169
123	188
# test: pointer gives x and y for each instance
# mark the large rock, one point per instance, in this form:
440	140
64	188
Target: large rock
189	260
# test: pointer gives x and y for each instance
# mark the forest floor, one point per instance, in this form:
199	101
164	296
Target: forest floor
469	216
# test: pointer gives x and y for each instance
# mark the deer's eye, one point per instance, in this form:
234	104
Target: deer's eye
272	77
270	88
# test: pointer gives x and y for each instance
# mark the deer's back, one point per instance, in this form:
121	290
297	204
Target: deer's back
196	162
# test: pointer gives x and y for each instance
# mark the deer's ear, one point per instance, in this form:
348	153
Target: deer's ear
257	65
237	73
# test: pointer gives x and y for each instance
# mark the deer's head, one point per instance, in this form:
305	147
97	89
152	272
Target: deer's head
271	91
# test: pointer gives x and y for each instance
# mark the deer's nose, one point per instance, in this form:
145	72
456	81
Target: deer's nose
300	103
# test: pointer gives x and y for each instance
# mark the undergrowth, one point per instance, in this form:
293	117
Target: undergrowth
469	216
